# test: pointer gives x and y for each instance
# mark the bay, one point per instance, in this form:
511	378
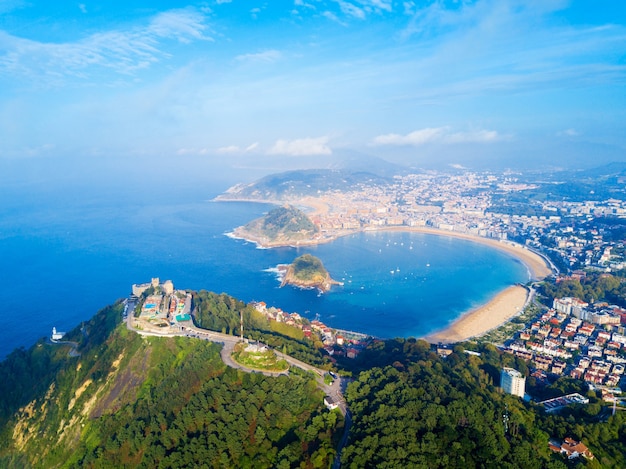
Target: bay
63	262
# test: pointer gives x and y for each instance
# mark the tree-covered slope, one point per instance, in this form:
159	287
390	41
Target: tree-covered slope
291	185
129	401
412	408
282	225
308	267
307	271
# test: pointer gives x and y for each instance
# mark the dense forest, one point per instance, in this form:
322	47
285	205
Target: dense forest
128	401
412	408
283	222
111	398
308	267
594	287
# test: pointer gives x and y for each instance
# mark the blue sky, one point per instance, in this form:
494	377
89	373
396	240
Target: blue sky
247	80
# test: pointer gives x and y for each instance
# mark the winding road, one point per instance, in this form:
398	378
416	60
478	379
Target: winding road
228	342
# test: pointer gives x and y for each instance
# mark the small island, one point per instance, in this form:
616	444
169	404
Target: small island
307	271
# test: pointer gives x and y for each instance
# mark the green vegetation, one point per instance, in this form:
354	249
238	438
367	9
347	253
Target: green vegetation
282	224
309	268
261	360
300	183
413	409
221	313
595	287
307	271
129	401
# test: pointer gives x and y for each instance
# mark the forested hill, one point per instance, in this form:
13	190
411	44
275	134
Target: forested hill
129	401
282	225
296	184
110	398
412	408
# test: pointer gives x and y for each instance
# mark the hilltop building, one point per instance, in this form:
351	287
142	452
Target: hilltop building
512	382
56	335
167	286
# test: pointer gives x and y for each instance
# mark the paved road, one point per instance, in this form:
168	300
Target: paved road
335	389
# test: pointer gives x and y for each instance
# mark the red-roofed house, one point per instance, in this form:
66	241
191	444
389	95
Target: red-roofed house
574	449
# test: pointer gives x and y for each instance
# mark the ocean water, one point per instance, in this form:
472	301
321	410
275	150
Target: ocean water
61	261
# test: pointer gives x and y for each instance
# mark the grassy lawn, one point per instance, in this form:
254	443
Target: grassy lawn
259	359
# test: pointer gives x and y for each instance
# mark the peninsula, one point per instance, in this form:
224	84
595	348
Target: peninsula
282	226
307	271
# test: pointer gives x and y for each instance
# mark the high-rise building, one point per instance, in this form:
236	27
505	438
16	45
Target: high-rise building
513	382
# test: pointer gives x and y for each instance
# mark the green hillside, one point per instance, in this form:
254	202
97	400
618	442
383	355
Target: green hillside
309	268
301	183
412	408
111	398
129	401
281	225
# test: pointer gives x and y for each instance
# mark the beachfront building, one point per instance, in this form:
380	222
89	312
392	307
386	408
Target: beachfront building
513	382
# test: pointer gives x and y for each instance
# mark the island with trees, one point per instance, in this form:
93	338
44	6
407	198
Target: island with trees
307	271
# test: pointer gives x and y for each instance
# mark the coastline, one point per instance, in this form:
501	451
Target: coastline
500	309
497	311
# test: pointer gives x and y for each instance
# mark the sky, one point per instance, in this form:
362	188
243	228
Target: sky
131	83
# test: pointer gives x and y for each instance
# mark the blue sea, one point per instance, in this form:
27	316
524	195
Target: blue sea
63	258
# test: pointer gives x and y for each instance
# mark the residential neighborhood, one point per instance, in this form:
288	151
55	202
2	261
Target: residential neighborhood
576	339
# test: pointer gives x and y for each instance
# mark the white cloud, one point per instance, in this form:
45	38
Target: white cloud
442	135
192	151
377	5
568	133
351	10
331	16
476	136
229	150
267	56
301	147
122	51
82	7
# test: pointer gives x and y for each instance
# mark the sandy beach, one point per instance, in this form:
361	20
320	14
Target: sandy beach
500	309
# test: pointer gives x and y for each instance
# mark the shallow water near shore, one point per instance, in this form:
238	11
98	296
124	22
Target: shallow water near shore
60	266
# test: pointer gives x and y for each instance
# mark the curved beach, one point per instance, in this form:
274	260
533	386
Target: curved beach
504	306
501	308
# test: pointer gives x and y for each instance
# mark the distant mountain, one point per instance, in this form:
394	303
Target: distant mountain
598	183
291	185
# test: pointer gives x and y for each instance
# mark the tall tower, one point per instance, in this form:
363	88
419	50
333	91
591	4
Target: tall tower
513	382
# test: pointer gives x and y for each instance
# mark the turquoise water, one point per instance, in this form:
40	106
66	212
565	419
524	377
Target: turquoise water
62	262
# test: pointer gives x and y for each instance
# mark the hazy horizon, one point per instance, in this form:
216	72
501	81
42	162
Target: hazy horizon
91	89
